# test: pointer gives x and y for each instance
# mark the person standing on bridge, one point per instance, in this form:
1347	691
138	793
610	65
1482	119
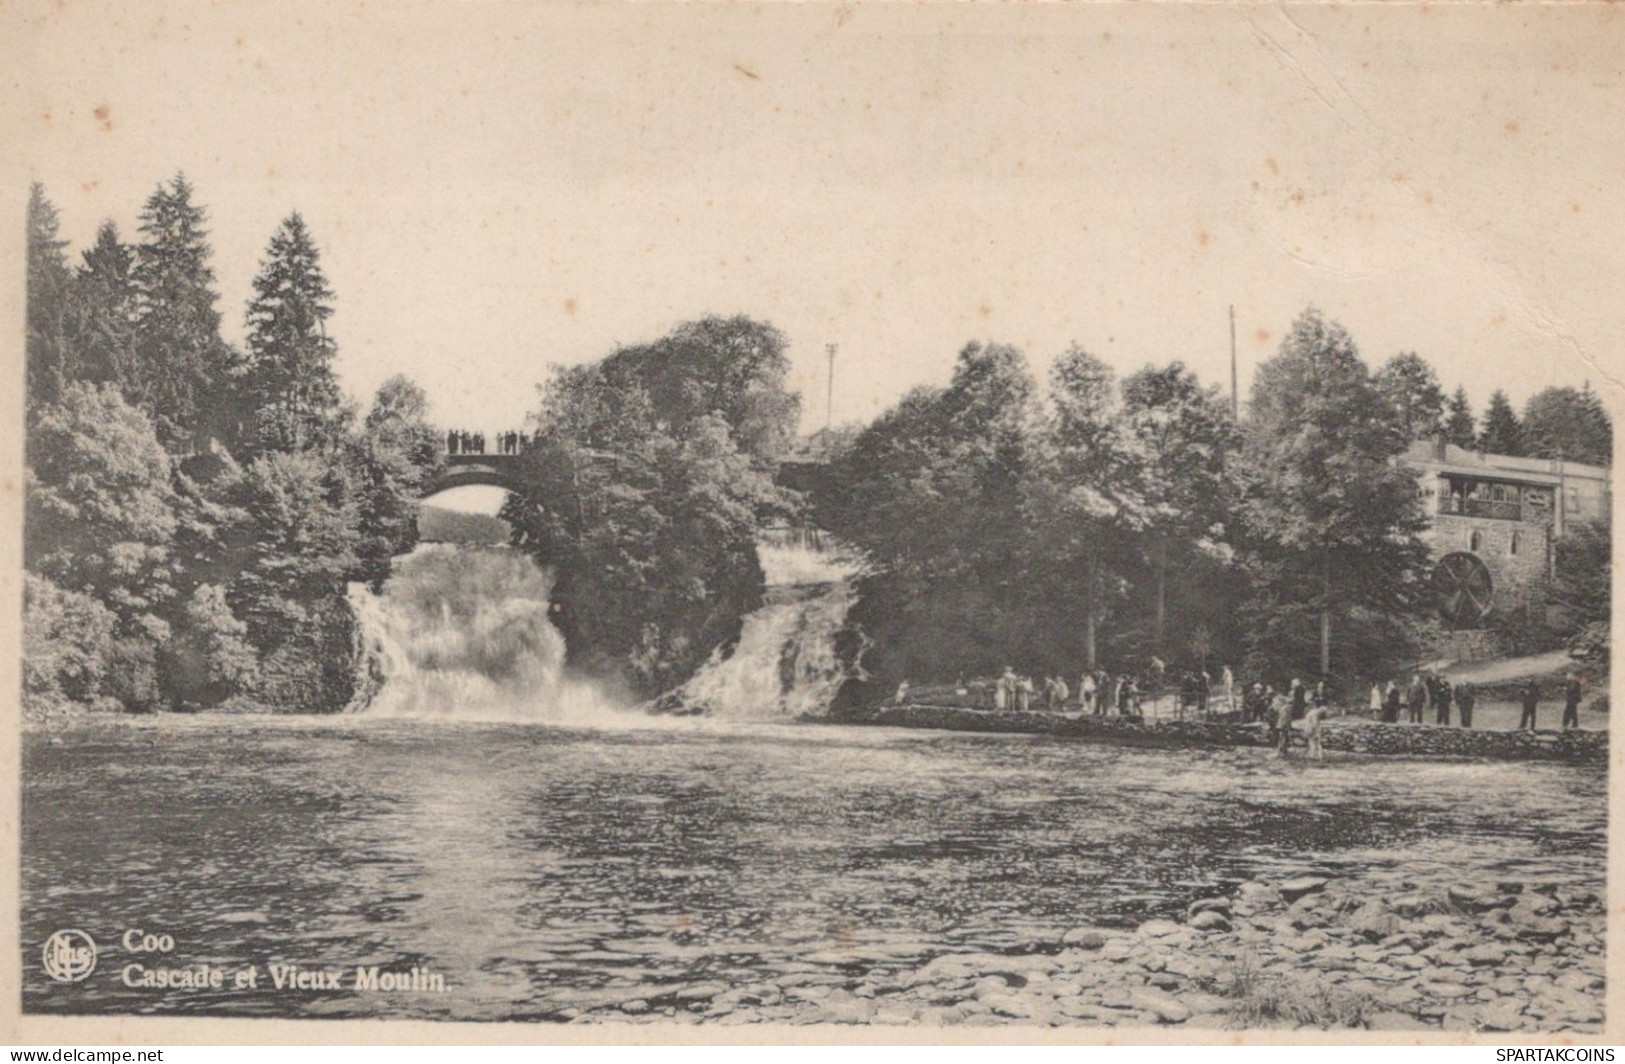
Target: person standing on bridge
451	441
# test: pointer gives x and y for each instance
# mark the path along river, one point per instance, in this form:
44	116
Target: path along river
552	872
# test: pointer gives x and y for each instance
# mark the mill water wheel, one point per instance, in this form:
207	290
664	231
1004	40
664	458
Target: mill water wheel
1464	588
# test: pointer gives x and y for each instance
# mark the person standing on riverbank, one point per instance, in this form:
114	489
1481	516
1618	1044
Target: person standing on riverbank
1441	702
1283	724
1311	730
1376	701
1416	698
1465	697
1086	693
1391	703
1531	702
1571	703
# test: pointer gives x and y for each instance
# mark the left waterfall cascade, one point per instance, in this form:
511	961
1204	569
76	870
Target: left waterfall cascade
466	633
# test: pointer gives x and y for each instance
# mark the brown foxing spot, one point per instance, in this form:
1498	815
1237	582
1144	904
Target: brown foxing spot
751	74
104	118
570	306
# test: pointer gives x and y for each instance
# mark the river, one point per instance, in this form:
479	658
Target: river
551	872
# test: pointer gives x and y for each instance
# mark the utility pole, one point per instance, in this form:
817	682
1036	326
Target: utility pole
829	399
1235	395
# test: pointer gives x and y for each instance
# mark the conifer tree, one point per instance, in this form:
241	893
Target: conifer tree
103	332
186	372
1502	432
1460	428
293	398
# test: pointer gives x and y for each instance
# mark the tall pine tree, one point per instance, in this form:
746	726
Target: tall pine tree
293	399
1502	432
105	319
186	371
49	298
1460	428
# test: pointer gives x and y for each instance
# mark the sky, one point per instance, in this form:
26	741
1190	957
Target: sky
497	187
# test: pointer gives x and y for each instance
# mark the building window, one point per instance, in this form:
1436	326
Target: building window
1571	504
1517	541
1475	542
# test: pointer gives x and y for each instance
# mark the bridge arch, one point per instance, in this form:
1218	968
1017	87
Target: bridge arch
474	470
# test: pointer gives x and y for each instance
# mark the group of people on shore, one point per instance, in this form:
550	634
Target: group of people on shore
1100	693
461	442
1279	709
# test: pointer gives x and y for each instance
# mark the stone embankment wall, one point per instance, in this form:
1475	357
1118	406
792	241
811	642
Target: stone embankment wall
1350	736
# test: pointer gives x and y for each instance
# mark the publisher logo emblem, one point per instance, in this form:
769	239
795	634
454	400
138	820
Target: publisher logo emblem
69	956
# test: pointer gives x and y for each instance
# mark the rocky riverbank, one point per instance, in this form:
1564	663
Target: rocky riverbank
1307	952
1346	735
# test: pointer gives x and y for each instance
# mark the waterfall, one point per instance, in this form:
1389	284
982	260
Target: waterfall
785	663
462	632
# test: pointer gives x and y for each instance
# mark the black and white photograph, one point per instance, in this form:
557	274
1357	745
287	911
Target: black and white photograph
913	521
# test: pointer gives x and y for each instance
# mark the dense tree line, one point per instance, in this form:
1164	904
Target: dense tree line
195	512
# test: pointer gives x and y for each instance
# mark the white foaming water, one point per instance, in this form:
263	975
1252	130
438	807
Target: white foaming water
785	664
464	633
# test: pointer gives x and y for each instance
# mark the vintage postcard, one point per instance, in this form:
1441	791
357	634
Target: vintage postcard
810	522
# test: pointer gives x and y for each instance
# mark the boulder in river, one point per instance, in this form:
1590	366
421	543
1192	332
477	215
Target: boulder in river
1293	889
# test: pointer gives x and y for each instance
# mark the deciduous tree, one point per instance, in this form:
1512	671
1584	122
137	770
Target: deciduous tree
1331	520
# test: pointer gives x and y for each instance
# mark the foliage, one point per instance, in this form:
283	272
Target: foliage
291	592
49	284
210	658
933	493
100	512
1330	521
103	326
1460	427
1412	391
1184	434
396	455
1502	432
184	579
1583	586
1568	423
67	644
644	490
187	374
731	368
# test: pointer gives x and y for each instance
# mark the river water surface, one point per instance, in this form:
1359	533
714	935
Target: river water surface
548	872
